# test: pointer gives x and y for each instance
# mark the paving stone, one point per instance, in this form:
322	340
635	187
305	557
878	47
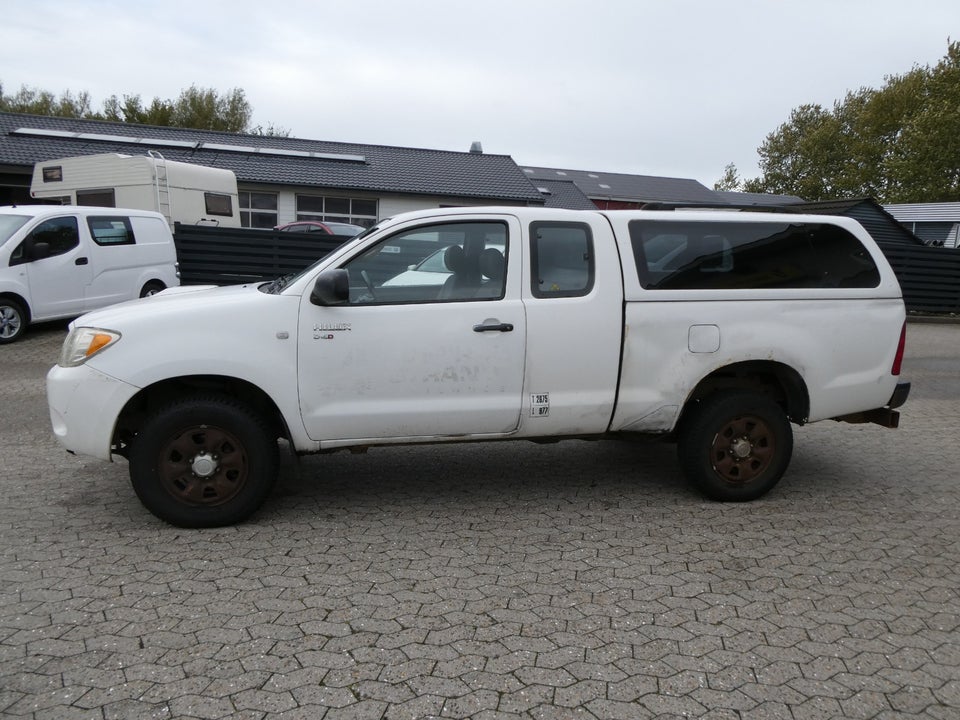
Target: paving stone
576	580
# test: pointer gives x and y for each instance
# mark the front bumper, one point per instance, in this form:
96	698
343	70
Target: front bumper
84	405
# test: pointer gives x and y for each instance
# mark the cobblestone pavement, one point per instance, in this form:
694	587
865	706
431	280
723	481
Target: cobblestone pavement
575	580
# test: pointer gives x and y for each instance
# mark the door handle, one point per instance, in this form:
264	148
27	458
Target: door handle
81	261
493	326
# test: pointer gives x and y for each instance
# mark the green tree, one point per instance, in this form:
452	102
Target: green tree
43	102
197	108
900	143
730	179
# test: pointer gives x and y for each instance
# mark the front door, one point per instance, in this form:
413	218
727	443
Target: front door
58	278
431	343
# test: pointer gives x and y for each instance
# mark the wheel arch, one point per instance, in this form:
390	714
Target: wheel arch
152	282
782	383
161	393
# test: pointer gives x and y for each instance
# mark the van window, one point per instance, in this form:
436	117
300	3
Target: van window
111	230
61	235
562	259
217	204
97	198
749	255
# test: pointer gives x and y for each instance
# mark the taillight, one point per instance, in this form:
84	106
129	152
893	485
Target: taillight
898	360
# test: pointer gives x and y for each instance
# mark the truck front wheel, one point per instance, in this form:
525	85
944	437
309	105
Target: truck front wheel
203	462
735	446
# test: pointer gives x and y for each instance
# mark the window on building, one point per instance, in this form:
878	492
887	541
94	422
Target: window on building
354	211
749	255
258	209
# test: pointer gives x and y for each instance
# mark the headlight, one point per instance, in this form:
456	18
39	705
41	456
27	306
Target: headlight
83	343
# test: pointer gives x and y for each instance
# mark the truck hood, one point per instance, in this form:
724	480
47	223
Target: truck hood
185	301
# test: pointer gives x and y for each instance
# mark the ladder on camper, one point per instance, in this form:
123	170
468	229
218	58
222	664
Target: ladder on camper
161	185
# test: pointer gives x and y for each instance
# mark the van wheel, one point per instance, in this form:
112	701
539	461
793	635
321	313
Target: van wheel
13	320
203	462
735	446
152	288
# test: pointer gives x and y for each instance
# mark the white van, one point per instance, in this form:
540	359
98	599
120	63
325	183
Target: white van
59	262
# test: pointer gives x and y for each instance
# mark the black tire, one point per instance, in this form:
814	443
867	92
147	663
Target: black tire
203	462
735	446
13	320
152	288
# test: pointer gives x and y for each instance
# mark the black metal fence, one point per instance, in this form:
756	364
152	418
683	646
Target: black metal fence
230	256
929	276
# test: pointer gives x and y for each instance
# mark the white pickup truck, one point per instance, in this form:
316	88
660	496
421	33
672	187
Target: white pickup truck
716	329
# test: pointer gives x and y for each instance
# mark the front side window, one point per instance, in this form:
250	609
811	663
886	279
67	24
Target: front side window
463	261
749	255
561	259
111	230
51	237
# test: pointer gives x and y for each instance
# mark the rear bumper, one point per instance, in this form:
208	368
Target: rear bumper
886	416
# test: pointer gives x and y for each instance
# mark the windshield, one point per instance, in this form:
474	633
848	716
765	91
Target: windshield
274	287
9	224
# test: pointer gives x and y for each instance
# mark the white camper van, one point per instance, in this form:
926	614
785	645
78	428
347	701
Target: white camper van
181	192
59	262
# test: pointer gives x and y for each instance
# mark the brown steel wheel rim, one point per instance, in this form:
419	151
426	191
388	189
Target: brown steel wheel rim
203	466
743	449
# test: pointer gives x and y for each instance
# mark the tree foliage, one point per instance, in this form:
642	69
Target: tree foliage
730	180
900	143
196	108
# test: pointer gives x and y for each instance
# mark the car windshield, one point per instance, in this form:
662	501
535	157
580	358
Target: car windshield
9	224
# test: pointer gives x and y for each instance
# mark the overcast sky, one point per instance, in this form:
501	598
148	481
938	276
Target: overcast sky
677	88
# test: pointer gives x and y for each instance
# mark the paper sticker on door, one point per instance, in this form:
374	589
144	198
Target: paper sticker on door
540	405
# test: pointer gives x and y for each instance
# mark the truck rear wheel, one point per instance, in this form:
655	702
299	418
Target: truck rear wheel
735	446
13	320
203	462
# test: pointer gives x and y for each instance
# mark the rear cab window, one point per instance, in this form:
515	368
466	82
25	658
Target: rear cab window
561	258
693	255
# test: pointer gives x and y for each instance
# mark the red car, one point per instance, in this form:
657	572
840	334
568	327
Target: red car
327	228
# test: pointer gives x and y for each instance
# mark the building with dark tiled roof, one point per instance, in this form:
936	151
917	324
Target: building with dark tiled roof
618	191
280	179
936	224
563	194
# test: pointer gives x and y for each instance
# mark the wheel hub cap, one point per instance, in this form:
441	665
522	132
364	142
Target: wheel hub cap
741	448
204	465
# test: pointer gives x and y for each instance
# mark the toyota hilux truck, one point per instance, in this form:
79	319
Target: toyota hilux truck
718	330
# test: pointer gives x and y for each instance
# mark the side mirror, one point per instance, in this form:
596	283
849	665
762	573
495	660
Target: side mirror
332	287
39	250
